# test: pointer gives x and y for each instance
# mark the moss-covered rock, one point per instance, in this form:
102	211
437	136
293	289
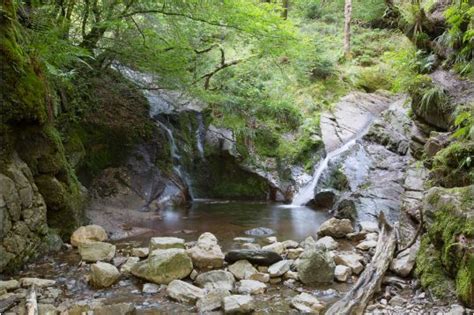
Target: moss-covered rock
447	249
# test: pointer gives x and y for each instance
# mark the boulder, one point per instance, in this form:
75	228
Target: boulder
37	282
207	254
336	228
258	257
87	234
103	275
350	260
242	269
275	247
168	265
403	264
251	287
165	243
212	300
128	265
278	269
238	304
184	292
306	303
342	273
216	279
327	243
315	266
96	251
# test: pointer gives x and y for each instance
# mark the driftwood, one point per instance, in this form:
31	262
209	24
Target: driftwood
31	305
355	301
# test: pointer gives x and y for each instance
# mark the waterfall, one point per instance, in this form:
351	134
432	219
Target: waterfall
306	193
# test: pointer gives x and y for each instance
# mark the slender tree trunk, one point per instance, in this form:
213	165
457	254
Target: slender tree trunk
284	13
347	28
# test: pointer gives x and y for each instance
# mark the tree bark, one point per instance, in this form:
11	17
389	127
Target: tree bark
347	28
356	300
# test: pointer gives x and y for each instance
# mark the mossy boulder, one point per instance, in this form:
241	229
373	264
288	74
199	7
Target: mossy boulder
446	252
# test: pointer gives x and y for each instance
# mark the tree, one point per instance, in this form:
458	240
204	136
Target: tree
347	28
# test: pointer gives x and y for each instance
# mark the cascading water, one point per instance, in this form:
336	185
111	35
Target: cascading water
306	193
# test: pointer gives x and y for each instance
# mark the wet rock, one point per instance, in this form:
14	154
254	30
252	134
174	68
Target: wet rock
238	304
350	260
280	268
403	264
103	275
275	247
366	245
207	254
260	276
290	244
168	265
9	285
127	267
258	257
260	231
250	287
87	234
165	243
324	199
141	252
37	282
342	273
306	303
96	251
151	288
212	300
336	228
242	269
327	242
184	292
216	279
294	253
315	266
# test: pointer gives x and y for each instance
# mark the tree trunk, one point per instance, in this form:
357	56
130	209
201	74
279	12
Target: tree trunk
284	13
347	28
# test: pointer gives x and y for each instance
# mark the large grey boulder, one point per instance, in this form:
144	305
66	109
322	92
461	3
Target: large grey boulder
184	292
96	251
336	228
207	254
238	304
167	265
103	275
216	279
87	234
315	266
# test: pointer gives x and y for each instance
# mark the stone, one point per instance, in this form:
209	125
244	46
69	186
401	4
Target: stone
207	254
151	288
238	304
275	247
342	273
103	275
315	266
216	279
327	242
260	231
337	228
258	257
260	276
294	253
250	287
165	243
290	244
212	300
141	252
242	269
279	268
306	303
96	251
87	234
270	240
126	268
37	282
366	245
403	264
9	285
369	226
350	260
168	265
184	292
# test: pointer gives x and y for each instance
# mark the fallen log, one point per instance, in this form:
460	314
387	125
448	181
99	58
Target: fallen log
355	301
